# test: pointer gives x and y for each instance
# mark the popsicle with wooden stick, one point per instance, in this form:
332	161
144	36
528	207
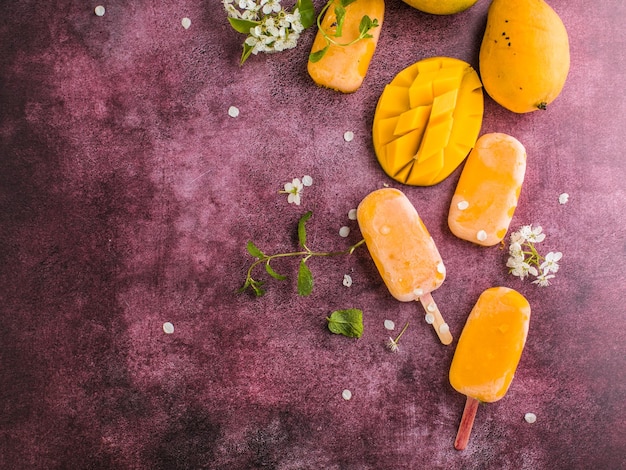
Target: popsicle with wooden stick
488	352
404	252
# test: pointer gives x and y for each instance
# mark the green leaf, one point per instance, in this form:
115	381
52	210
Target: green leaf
366	24
254	251
347	322
247	50
242	26
317	55
273	273
345	3
256	287
305	279
245	286
340	14
307	12
302	228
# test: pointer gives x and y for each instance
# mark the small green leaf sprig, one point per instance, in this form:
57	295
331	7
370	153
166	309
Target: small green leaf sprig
305	277
365	26
268	26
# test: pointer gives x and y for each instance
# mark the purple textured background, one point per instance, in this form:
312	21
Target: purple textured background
127	195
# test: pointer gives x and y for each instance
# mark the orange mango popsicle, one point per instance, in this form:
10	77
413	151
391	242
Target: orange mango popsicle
488	352
488	190
343	67
403	251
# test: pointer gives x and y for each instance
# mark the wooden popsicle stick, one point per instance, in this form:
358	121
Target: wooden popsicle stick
439	324
467	422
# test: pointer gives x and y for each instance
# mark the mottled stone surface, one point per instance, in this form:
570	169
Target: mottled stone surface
127	196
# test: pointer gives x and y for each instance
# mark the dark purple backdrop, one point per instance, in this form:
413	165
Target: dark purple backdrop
127	196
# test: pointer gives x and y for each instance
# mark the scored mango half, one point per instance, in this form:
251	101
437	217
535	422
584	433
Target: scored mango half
427	120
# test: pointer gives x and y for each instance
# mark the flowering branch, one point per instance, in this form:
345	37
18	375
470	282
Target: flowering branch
524	259
268	26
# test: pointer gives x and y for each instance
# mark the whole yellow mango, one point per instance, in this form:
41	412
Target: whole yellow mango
441	7
524	56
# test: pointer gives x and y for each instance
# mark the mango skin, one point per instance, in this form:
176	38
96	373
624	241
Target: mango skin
441	7
524	56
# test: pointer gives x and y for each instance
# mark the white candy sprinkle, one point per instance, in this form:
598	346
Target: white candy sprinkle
307	180
418	292
233	111
430	318
530	417
441	268
168	328
344	231
481	235
444	328
352	214
462	205
563	198
99	10
347	280
186	22
348	136
431	307
346	394
385	230
390	325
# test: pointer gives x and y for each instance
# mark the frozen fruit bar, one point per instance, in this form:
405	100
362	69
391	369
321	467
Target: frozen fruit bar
403	251
488	190
488	351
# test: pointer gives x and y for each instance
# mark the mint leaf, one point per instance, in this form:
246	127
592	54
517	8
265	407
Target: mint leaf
254	251
307	12
347	322
302	228
273	273
242	26
305	279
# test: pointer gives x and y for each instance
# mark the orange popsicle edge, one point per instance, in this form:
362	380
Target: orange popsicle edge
488	352
404	252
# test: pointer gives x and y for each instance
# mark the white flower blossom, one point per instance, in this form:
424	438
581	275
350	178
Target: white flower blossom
293	189
543	279
515	250
522	269
270	6
531	234
248	5
551	263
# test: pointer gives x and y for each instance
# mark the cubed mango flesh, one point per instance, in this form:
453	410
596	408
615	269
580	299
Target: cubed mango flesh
439	101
